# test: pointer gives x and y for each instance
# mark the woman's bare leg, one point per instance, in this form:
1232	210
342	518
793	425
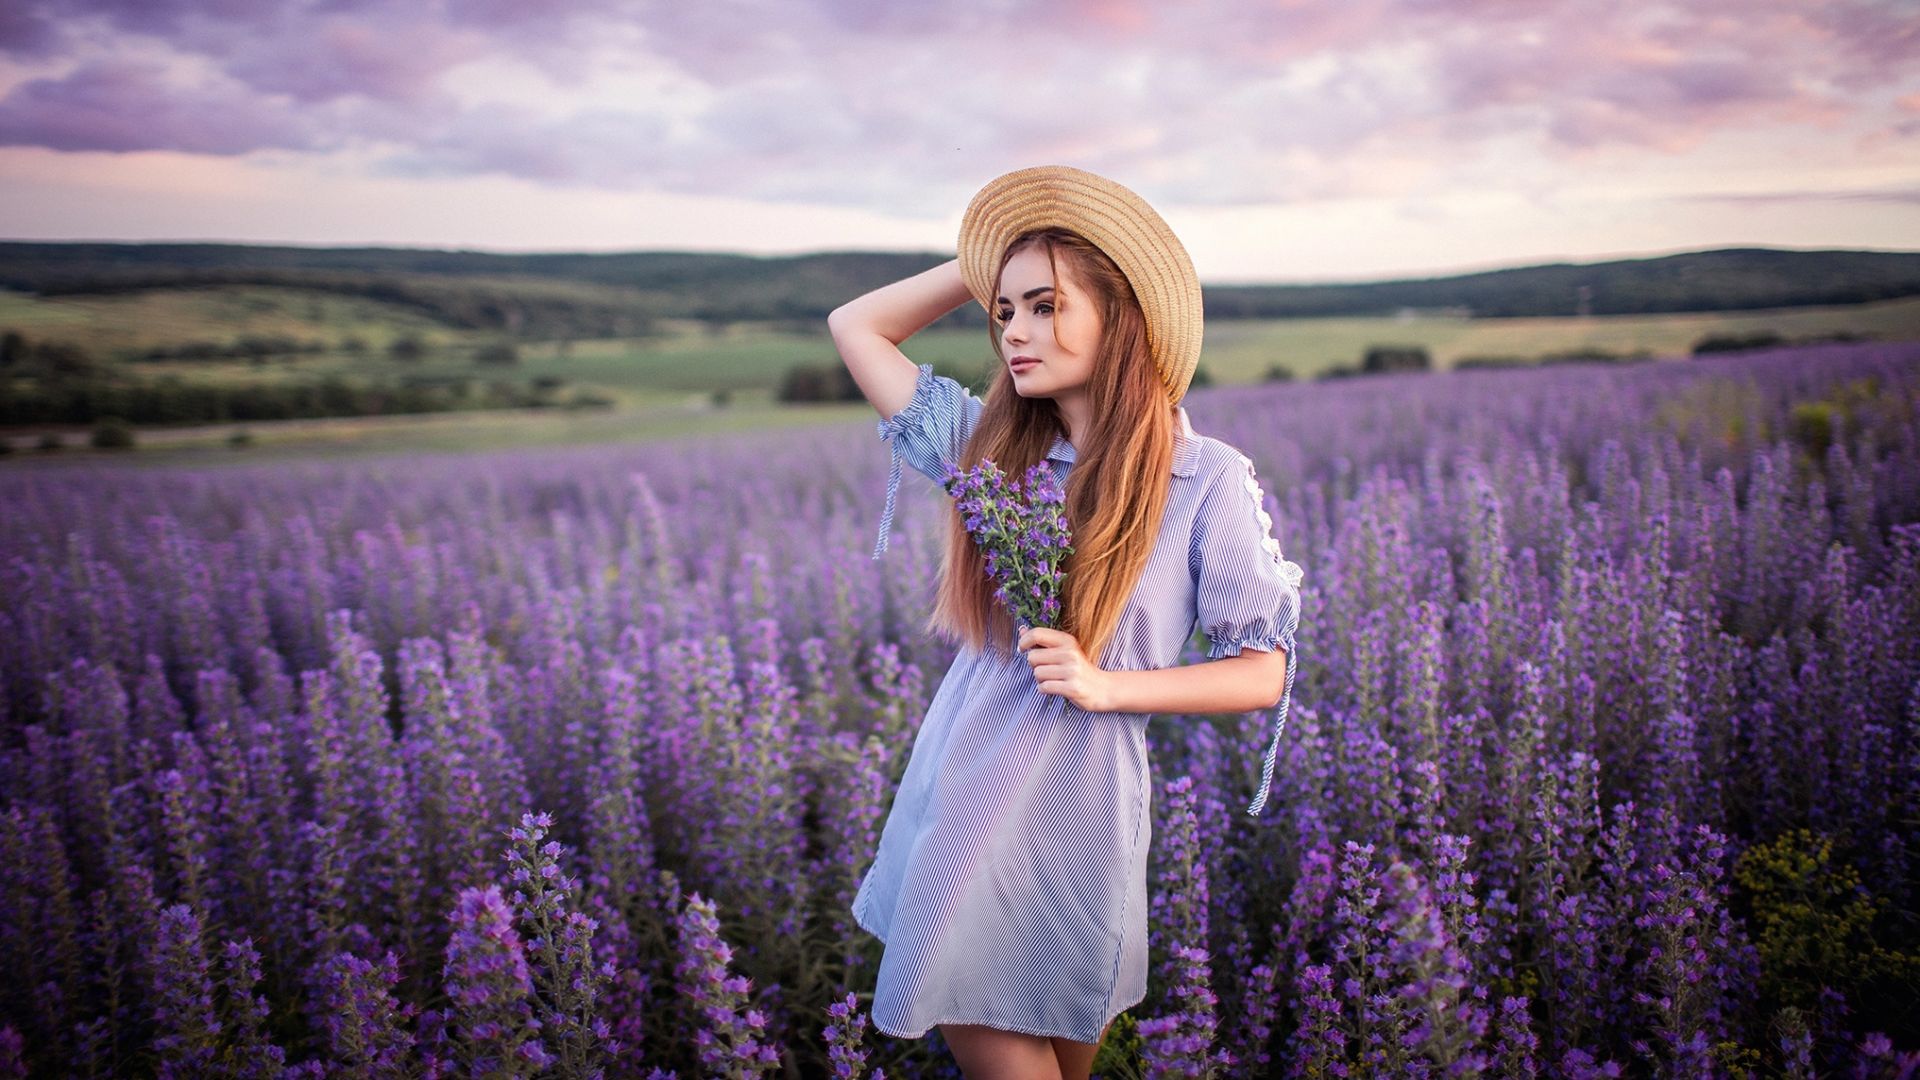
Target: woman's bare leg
987	1053
1076	1058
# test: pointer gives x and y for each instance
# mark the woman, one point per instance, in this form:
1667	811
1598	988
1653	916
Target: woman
1010	882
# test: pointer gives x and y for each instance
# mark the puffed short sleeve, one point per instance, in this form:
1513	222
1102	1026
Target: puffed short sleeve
1246	594
929	434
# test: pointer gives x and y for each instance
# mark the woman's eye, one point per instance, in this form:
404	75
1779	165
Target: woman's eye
1043	308
1005	314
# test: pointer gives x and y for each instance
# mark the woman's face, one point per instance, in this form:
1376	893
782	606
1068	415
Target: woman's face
1049	330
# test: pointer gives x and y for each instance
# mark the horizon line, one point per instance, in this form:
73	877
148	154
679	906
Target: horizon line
1464	270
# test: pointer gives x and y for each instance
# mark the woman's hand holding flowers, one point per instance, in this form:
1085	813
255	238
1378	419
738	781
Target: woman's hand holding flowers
1060	667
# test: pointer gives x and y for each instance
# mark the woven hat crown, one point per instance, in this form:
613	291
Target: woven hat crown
1113	219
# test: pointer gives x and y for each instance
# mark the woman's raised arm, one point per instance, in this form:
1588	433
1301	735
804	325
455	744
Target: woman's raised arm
868	331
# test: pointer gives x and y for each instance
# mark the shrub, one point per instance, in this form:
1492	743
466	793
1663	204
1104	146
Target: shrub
1735	342
240	439
408	348
587	399
112	433
49	441
1388	358
1593	354
819	382
499	353
1812	427
1503	360
1278	373
1815	923
65	360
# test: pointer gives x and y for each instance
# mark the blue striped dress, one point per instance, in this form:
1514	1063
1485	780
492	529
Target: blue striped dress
1010	884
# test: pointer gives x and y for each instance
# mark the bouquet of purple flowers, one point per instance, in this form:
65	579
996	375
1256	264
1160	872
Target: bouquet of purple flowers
1021	529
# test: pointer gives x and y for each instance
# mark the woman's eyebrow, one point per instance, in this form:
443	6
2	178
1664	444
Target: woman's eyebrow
1030	293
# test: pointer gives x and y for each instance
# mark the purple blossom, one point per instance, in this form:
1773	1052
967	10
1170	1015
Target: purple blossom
489	987
1021	530
729	1032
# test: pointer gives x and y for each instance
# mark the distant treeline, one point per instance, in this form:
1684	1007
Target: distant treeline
171	400
534	310
578	295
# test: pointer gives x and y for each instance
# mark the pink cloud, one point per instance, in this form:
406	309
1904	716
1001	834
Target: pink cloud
1217	102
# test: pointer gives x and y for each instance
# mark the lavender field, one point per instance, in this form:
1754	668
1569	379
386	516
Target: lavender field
1603	759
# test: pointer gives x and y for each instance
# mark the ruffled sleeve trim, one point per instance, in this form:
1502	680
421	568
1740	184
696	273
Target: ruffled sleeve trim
890	430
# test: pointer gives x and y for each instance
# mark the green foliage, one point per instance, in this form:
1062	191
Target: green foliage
1201	376
240	439
1502	360
1713	343
818	382
173	400
587	399
1593	354
1389	358
255	347
1814	923
112	433
618	294
498	353
24	358
1119	1053
1278	373
1812	426
1739	1062
407	348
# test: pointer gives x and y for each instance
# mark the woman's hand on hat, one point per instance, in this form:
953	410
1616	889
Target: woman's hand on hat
1061	668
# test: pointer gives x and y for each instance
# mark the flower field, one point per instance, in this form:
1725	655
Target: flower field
1604	757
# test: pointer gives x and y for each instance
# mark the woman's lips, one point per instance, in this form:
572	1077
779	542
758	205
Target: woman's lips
1022	363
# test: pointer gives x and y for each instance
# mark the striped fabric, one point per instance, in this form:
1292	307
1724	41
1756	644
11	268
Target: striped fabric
1010	885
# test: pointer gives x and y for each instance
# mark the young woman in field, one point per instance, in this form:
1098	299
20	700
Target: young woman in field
1010	882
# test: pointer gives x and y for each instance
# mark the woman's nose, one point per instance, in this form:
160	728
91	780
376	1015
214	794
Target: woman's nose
1016	329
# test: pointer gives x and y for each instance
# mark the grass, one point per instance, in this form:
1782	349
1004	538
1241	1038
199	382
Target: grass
449	433
663	386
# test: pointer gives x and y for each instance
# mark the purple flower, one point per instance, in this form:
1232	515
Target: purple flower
1021	530
729	1033
489	986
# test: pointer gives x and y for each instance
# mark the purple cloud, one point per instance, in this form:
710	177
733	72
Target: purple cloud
1212	103
131	105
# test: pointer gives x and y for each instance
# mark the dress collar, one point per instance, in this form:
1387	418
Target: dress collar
1186	446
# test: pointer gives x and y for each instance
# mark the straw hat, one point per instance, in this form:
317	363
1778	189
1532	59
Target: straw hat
1119	223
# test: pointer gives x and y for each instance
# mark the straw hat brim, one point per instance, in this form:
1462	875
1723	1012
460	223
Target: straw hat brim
1115	220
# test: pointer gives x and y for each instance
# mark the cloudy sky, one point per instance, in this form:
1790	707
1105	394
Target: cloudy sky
1287	140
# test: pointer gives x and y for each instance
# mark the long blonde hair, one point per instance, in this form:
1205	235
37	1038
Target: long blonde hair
1117	491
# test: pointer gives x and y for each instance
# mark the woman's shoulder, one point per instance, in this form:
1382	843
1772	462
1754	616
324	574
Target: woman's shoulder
1215	458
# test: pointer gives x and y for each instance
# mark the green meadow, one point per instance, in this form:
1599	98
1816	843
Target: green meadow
692	376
